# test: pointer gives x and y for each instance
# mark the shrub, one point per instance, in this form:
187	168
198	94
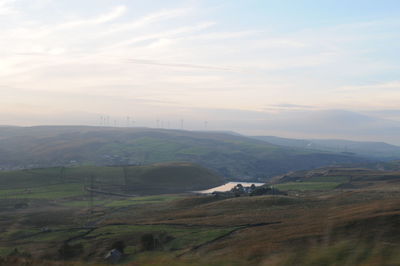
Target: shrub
67	251
148	242
119	245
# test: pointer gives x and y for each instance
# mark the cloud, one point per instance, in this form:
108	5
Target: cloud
213	36
178	65
6	7
389	114
147	20
115	13
289	106
389	86
165	34
190	58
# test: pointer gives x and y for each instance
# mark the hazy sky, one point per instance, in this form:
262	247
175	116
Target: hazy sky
186	59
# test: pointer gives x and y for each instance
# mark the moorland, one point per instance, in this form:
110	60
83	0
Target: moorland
231	155
84	195
329	216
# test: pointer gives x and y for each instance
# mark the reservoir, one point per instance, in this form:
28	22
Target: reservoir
228	186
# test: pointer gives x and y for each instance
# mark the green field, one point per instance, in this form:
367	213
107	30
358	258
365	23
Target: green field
338	179
307	185
320	182
231	155
316	225
150	179
142	200
45	192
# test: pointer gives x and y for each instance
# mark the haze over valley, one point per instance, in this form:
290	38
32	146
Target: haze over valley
199	132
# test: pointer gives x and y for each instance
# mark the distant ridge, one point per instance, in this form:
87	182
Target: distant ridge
376	150
232	156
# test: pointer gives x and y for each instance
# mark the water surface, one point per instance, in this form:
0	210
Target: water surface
228	186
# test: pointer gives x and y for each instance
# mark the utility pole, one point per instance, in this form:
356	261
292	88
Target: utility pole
91	195
62	173
125	170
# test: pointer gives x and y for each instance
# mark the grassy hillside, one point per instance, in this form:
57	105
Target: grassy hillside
328	178
314	226
377	150
177	177
152	179
232	156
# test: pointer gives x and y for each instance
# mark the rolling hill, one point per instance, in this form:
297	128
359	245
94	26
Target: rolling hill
233	156
327	178
153	179
375	150
354	222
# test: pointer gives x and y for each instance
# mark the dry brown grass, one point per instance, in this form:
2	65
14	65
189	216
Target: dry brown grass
351	227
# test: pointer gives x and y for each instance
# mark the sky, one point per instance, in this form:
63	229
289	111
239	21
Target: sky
256	67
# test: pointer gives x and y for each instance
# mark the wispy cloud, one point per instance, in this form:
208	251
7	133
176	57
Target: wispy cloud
147	20
289	106
193	66
6	7
191	57
115	13
391	86
165	34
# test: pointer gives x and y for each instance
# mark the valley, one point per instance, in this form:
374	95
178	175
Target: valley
328	215
233	156
199	133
